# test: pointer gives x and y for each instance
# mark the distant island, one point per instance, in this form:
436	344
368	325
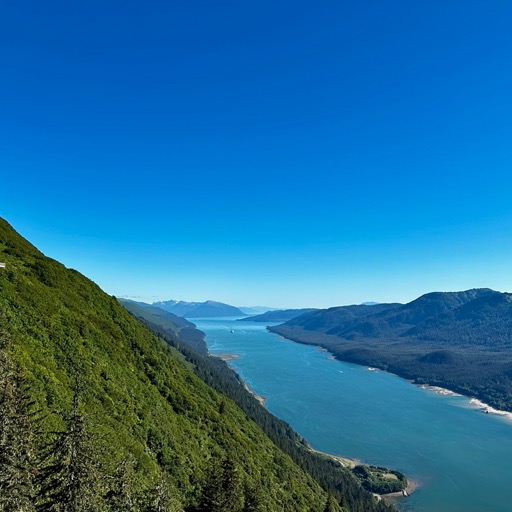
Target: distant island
457	340
207	309
279	315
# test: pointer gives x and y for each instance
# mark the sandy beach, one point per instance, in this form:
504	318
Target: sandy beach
261	399
232	357
344	461
226	357
412	485
438	390
487	409
478	404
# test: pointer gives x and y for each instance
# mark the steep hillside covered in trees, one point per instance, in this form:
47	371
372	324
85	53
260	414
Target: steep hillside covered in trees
177	327
333	478
99	414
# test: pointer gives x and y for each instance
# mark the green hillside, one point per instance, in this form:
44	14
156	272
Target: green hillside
100	414
178	327
339	481
459	340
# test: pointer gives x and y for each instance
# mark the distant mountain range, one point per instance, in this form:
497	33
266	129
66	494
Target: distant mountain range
279	315
459	340
206	309
255	310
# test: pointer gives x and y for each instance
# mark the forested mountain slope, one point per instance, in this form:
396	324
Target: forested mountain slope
177	326
325	320
334	478
99	414
460	340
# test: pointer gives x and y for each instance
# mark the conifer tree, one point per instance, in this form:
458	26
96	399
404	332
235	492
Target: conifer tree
332	504
163	497
253	501
68	474
223	490
232	486
16	440
121	496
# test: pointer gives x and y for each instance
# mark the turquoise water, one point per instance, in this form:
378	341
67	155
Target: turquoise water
461	457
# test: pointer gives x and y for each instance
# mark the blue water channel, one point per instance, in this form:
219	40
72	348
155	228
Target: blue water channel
461	458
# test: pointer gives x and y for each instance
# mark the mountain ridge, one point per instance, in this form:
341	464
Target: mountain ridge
278	315
459	340
206	309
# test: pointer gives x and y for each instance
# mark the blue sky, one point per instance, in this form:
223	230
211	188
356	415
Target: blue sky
290	154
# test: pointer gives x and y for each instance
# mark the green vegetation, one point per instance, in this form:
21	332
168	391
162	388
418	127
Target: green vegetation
380	480
333	477
460	340
99	414
179	329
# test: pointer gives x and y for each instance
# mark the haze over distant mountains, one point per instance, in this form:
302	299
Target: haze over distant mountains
209	308
255	310
279	315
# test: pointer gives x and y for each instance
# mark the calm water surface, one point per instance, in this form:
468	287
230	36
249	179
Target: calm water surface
461	457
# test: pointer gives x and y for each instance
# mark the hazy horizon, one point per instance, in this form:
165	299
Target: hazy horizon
287	154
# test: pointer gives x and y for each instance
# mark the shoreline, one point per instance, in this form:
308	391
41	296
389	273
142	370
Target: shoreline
261	399
226	357
233	357
438	390
476	403
473	401
346	462
487	409
411	486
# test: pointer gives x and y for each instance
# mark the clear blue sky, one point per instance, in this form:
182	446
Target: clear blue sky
281	153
